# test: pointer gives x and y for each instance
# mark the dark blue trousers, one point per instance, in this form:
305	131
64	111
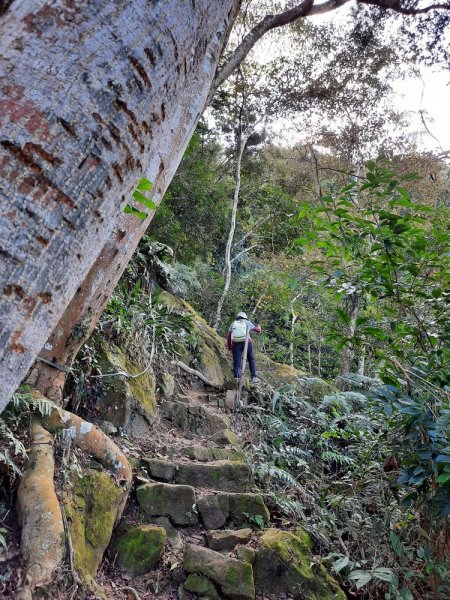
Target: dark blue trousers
237	349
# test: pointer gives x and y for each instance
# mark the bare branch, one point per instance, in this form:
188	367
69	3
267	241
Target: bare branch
307	8
267	24
244	252
396	6
249	233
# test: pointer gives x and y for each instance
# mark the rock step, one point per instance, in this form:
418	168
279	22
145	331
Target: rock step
227	539
233	577
222	475
233	510
206	454
183	507
202	451
195	418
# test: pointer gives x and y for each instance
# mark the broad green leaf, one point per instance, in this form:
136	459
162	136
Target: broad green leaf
144	185
133	211
139	197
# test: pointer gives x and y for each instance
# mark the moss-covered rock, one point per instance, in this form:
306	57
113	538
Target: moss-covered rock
213	359
284	565
194	418
167	384
91	506
166	500
223	475
247	509
209	366
232	576
216	510
138	549
246	553
128	403
226	437
201	586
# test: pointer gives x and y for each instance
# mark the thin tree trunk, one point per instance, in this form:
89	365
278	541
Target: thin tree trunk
319	356
362	362
126	91
291	344
348	351
309	359
293	321
241	143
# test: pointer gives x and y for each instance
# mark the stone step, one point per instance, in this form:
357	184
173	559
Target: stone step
233	509
195	418
232	577
227	539
206	454
177	502
223	475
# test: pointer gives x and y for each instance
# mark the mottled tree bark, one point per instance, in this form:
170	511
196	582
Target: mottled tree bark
93	96
348	351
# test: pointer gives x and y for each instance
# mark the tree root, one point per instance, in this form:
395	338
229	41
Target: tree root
91	439
191	371
42	542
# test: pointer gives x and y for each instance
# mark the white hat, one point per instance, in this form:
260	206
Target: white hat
241	315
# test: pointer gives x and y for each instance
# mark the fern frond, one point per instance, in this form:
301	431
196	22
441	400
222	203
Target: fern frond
283	476
337	457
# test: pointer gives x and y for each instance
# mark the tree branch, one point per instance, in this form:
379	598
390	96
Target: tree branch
304	9
396	6
267	24
244	252
191	371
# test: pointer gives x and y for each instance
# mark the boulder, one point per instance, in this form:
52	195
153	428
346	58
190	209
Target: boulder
165	500
233	577
138	549
209	365
91	505
201	586
227	539
284	564
128	403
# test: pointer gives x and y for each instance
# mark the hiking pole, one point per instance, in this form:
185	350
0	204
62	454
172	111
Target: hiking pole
237	397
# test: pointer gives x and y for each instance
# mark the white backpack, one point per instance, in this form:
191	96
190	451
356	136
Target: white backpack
239	330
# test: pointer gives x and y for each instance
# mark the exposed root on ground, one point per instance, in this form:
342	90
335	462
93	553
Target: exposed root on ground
42	541
40	512
93	441
191	371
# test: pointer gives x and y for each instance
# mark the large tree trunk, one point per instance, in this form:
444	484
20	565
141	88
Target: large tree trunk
93	96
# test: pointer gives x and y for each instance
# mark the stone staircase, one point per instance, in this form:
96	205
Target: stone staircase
196	491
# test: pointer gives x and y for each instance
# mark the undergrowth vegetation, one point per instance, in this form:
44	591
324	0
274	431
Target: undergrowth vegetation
334	466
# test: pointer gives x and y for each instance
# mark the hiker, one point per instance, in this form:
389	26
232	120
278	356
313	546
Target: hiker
236	342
